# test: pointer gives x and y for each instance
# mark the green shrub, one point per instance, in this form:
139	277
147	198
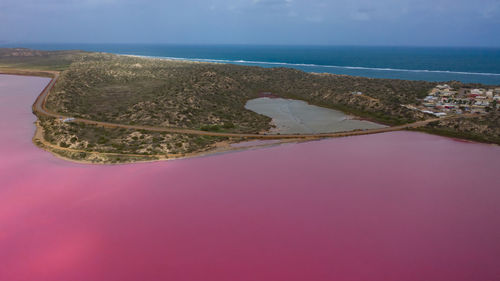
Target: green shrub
102	140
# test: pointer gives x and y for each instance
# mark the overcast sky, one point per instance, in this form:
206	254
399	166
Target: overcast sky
304	22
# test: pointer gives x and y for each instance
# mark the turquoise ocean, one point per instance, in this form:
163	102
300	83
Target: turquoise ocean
470	65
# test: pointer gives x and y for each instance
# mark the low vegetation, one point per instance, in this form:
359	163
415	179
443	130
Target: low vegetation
35	59
109	145
206	96
483	128
139	91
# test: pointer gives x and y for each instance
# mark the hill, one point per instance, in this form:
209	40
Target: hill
203	96
35	59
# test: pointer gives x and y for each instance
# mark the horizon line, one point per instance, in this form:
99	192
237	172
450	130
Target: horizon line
249	44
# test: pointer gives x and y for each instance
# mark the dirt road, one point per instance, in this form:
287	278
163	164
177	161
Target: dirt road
39	107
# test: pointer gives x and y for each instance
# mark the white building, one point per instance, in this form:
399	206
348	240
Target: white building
443	87
476	92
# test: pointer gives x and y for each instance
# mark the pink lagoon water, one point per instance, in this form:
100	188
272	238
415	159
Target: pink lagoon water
399	206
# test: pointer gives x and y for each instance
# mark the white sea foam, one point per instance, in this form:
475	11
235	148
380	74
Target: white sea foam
324	66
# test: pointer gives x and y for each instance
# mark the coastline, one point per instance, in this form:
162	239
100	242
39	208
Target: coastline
301	66
355	114
39	107
220	148
39	140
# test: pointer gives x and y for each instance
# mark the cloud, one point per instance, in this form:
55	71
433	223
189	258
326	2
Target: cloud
362	14
272	2
315	19
491	10
254	21
275	5
257	8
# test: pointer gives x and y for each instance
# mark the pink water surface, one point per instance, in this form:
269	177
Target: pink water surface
399	206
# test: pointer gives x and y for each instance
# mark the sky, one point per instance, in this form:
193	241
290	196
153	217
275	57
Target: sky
262	22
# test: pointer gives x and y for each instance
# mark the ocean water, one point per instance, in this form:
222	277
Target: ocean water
470	65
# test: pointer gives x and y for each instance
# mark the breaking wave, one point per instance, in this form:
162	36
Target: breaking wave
324	66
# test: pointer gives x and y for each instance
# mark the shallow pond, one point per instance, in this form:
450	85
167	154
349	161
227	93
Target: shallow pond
299	117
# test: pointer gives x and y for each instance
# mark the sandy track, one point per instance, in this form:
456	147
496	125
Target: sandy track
39	107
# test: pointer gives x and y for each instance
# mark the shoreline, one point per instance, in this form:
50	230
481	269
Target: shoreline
367	116
39	107
224	147
258	63
298	116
